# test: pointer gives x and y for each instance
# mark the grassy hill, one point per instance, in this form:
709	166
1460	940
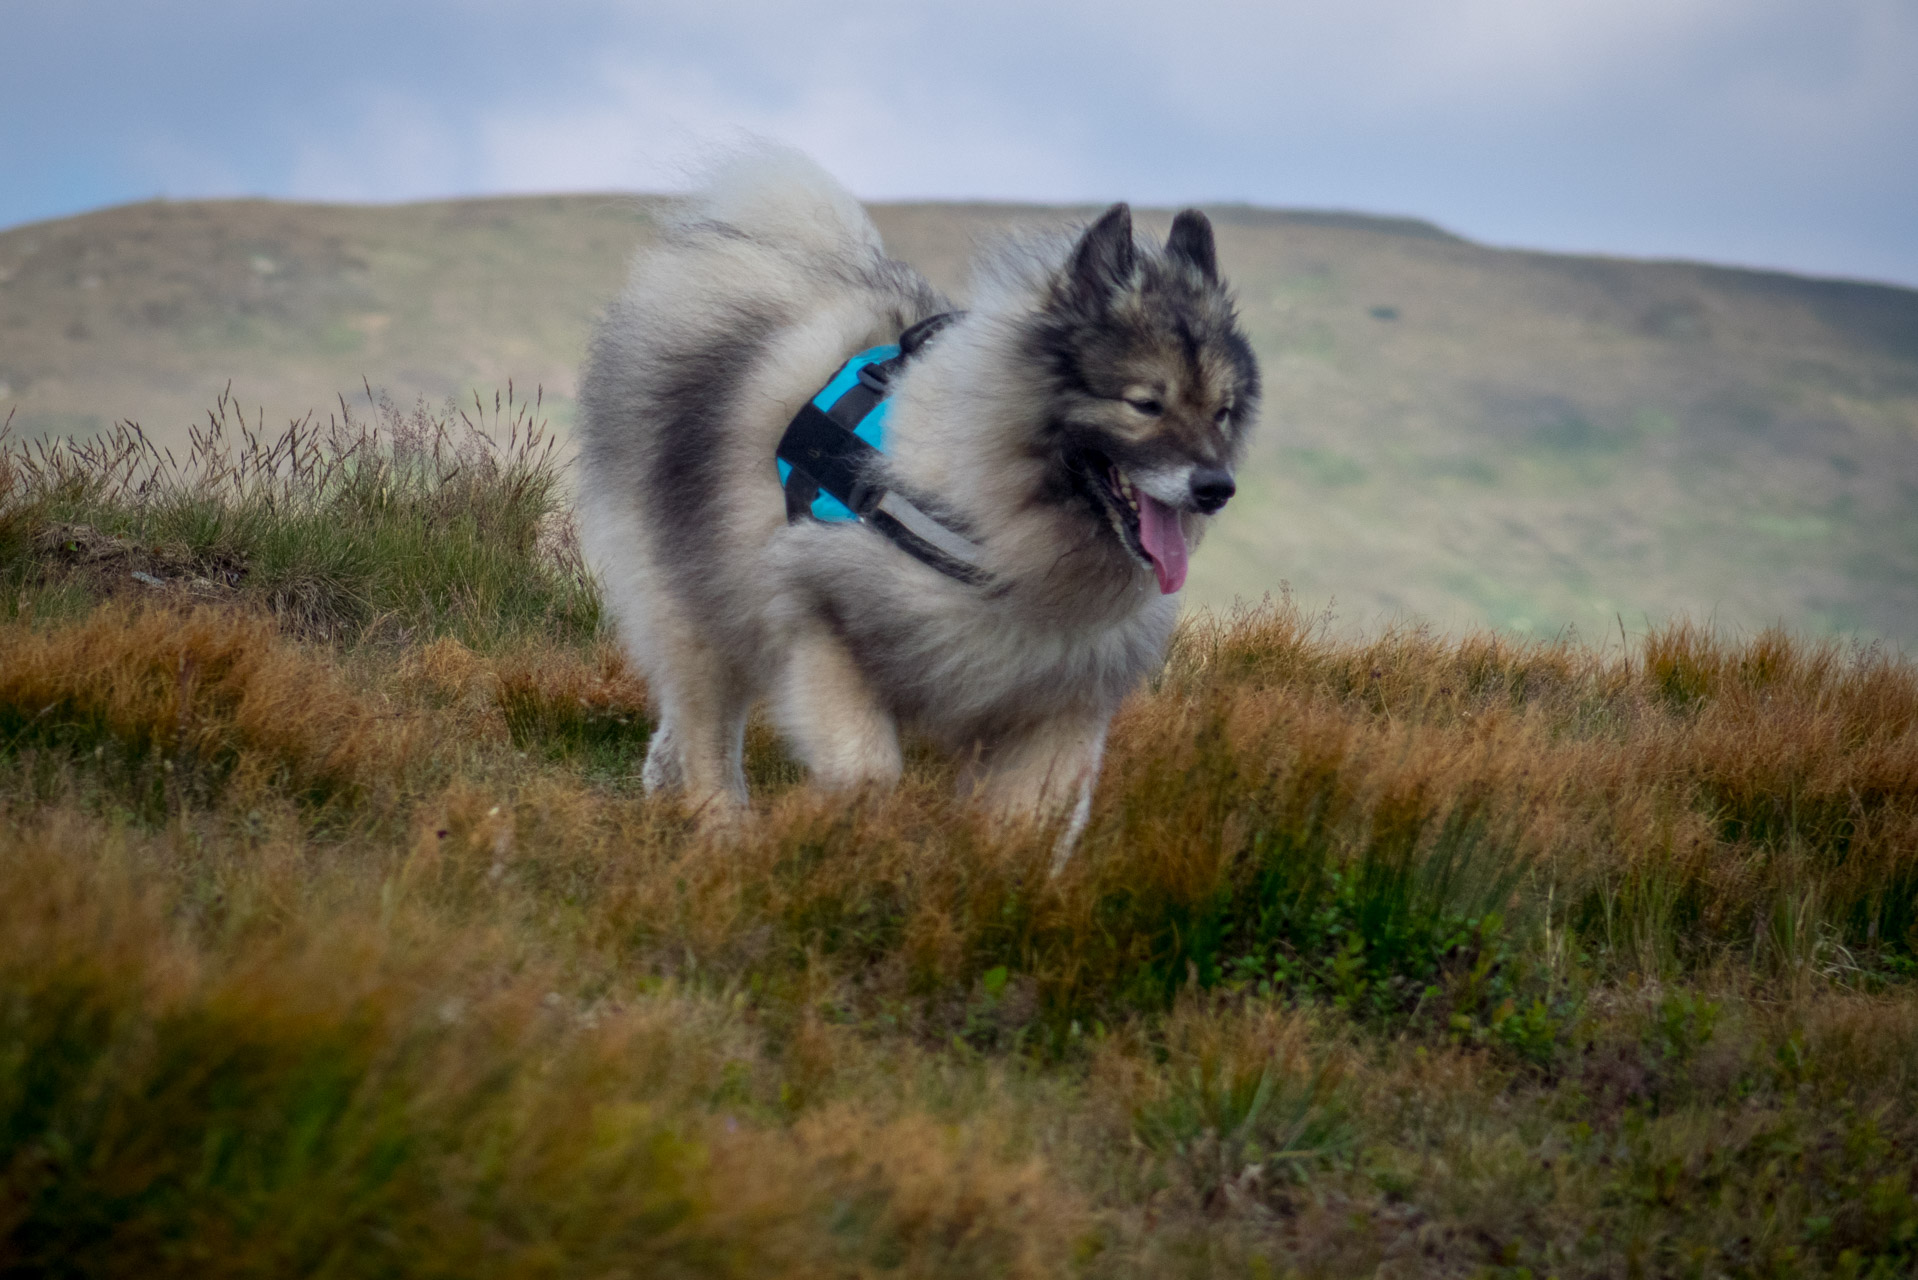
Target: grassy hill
336	939
1469	435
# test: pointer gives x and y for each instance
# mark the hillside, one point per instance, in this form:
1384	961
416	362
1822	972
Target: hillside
1460	433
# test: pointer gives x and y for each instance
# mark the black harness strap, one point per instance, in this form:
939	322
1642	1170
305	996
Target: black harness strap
830	457
922	549
825	454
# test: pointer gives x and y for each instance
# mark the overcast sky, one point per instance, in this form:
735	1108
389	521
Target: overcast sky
1780	133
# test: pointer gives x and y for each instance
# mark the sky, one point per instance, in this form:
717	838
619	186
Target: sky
1770	133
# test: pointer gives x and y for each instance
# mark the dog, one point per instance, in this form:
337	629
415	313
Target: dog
1073	431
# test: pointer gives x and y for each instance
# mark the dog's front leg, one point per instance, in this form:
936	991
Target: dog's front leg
697	750
1046	774
827	710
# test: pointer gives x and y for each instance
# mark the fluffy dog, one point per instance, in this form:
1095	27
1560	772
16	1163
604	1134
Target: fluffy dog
1079	424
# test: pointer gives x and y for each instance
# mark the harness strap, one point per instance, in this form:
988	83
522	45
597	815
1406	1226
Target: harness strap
823	452
828	456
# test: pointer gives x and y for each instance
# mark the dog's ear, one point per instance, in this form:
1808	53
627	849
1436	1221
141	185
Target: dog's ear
1191	241
1104	259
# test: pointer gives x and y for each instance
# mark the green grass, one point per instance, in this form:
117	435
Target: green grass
422	522
1325	469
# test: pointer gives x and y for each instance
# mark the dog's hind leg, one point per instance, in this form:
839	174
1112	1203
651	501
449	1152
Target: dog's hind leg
827	710
1046	774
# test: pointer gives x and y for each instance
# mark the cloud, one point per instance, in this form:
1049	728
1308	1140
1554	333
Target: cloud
649	125
398	147
1780	129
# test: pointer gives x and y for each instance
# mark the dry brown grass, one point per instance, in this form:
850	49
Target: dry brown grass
1418	956
190	704
370	1089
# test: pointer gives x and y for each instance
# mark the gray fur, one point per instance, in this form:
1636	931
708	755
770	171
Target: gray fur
756	292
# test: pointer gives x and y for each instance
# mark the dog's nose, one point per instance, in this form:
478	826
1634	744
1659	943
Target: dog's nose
1211	487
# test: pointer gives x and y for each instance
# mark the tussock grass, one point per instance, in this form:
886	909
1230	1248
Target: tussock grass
315	1102
419	523
175	710
343	942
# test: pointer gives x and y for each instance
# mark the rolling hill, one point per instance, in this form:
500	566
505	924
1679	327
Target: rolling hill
1452	432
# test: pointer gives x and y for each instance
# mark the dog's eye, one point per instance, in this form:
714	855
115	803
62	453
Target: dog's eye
1147	405
1225	411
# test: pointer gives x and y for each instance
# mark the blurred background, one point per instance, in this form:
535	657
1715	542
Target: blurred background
1575	315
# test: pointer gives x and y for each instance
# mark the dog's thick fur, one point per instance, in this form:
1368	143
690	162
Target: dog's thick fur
1084	368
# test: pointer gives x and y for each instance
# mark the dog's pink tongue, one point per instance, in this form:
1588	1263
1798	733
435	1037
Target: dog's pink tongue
1164	540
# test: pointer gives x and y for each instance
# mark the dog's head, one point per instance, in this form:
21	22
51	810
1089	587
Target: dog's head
1153	386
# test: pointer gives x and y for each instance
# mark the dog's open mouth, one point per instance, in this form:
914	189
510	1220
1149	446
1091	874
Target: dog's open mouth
1149	528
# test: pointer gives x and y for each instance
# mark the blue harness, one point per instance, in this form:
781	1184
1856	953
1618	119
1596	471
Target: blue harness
832	468
871	426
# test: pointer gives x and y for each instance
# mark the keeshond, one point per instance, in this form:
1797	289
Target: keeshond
997	574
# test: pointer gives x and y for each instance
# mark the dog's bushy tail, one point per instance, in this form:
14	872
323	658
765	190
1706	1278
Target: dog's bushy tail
777	197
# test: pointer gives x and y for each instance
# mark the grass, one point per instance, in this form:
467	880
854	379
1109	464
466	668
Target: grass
337	939
437	523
